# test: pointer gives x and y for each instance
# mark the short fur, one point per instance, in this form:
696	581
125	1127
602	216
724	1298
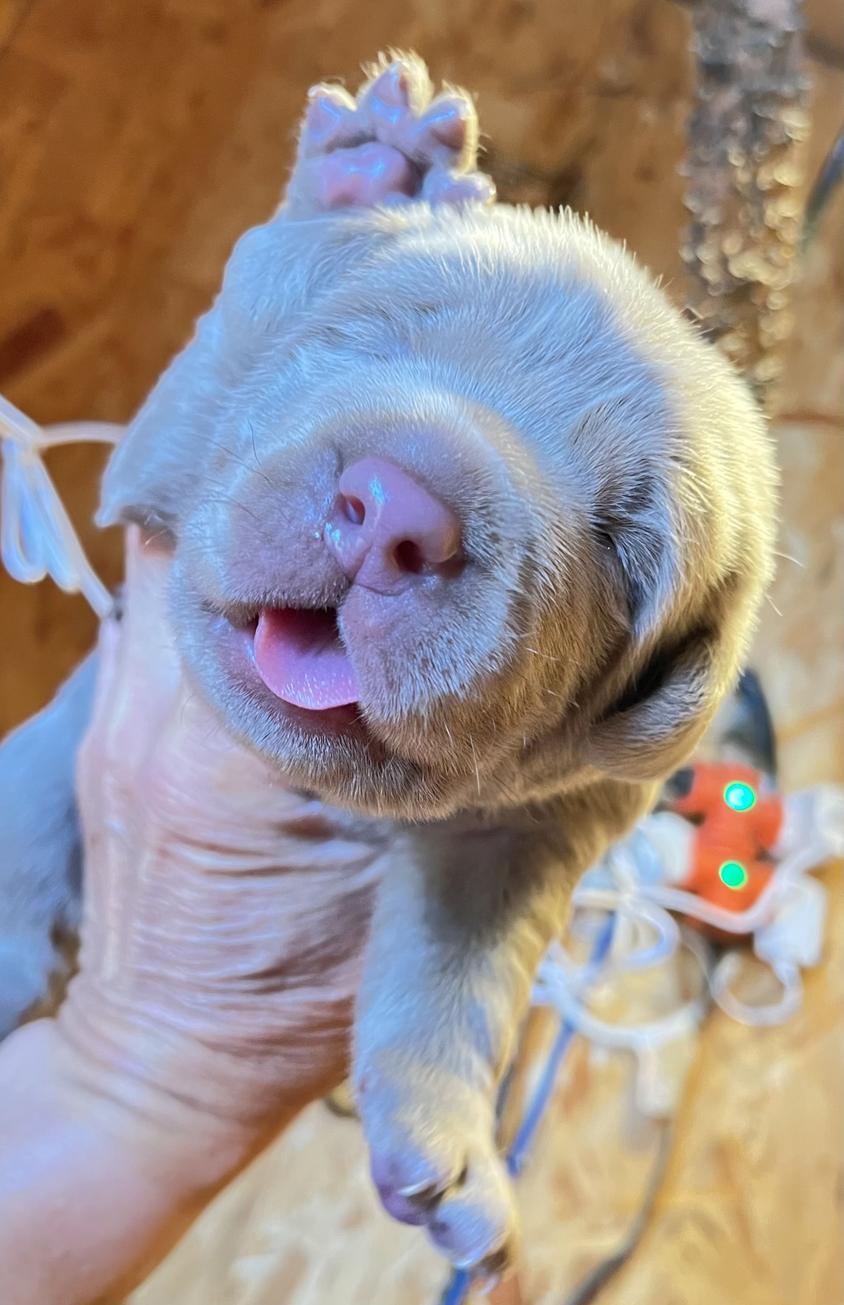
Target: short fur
615	484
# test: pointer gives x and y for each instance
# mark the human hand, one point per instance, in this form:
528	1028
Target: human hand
224	915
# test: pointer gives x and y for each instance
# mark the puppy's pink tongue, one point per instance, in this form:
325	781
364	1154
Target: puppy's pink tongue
300	658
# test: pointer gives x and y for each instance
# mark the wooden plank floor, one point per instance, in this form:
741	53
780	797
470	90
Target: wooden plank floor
137	139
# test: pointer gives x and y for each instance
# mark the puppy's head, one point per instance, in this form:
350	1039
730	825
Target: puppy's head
463	511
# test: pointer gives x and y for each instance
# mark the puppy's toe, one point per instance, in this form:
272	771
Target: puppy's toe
434	1162
445	186
447	133
417	1151
399	86
475	1224
330	121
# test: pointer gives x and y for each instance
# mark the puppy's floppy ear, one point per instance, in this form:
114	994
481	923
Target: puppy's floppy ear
157	466
675	688
154	467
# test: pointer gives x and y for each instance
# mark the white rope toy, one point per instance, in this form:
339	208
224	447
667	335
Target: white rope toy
37	538
634	881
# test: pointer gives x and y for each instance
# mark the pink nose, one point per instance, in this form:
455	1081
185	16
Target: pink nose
387	531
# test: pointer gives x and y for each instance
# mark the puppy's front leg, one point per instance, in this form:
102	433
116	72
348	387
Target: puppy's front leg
464	914
40	853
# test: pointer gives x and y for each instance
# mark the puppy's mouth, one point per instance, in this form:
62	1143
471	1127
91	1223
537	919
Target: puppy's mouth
301	659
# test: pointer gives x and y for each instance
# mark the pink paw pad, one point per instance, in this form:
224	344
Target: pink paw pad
392	143
365	175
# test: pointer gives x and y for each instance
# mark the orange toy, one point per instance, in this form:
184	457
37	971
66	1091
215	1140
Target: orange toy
739	817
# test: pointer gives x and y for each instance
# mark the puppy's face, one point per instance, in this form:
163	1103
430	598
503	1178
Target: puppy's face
443	523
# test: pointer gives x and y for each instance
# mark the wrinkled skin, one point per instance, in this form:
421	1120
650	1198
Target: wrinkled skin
614	492
215	945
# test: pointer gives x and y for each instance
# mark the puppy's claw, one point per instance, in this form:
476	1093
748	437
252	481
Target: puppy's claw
425	1194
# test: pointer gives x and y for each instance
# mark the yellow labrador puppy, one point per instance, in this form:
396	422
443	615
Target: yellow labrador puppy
470	534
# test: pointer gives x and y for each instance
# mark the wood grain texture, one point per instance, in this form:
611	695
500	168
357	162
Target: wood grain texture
138	138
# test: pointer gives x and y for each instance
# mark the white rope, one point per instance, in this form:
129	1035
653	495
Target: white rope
37	538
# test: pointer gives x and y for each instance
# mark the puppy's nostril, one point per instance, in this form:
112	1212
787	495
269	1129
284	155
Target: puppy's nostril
409	557
353	509
407	532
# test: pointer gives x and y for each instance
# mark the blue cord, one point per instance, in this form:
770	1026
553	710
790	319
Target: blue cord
457	1289
461	1281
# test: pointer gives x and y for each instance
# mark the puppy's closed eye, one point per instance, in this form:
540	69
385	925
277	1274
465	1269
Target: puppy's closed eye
636	540
656	672
670	696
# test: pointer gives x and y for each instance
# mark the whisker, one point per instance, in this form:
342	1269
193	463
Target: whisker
260	469
475	760
230	453
547	656
218	480
149	540
234	502
788	558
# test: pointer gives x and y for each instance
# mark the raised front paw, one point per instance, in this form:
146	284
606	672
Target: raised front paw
434	1160
392	143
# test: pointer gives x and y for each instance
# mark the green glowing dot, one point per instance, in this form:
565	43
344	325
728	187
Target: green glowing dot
733	875
739	797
